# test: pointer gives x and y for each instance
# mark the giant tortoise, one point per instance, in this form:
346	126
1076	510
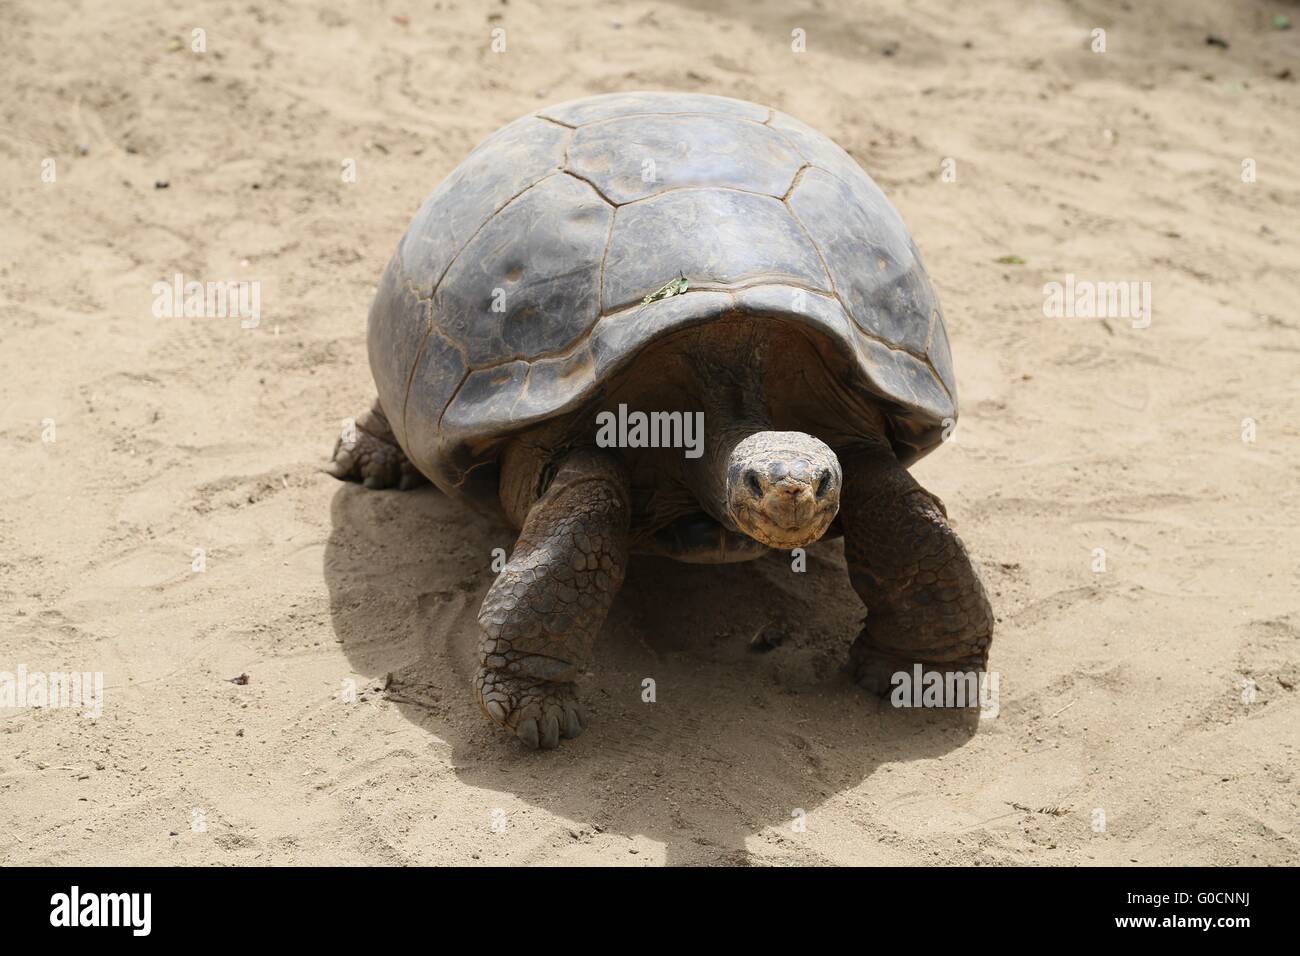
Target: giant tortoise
682	258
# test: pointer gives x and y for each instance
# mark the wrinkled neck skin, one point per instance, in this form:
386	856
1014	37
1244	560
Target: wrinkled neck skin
726	425
735	407
779	488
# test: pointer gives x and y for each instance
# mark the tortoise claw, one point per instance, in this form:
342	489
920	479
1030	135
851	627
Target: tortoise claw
539	712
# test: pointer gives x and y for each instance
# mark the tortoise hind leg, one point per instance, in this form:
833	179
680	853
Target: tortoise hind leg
372	455
542	614
925	602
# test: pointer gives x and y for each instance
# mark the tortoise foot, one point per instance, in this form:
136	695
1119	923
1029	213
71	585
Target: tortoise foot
538	712
878	671
872	671
372	456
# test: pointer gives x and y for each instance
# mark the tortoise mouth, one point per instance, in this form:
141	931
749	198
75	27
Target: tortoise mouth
759	525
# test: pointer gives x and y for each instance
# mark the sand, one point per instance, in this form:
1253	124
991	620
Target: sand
1147	713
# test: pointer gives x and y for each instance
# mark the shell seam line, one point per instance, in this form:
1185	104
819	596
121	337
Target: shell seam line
568	141
419	296
410	376
573	347
523	390
609	241
798	177
547	119
583	179
456	391
809	162
794	183
817	249
419	353
555	171
942	384
678	189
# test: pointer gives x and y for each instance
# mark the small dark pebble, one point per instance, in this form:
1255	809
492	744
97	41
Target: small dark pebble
160	184
1214	39
241	680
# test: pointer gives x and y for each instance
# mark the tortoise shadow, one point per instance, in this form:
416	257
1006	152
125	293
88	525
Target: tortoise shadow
697	740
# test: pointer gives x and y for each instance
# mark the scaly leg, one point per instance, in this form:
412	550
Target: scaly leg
925	602
542	614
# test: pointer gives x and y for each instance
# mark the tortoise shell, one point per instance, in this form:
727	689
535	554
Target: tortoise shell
517	291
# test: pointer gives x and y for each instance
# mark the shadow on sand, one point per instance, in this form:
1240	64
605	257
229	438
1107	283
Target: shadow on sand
736	742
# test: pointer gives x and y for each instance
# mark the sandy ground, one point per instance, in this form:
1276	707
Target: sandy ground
1123	690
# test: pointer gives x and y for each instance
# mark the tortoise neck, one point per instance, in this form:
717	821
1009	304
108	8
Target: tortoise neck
735	407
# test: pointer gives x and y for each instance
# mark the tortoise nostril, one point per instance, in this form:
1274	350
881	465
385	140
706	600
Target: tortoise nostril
824	483
752	482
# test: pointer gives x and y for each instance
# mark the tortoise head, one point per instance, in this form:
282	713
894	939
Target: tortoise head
783	488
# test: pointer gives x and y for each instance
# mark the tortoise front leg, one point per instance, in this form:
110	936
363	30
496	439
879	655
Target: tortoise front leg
925	602
542	614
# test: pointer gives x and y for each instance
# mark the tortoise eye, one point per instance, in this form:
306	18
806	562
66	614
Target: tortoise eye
751	482
824	485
